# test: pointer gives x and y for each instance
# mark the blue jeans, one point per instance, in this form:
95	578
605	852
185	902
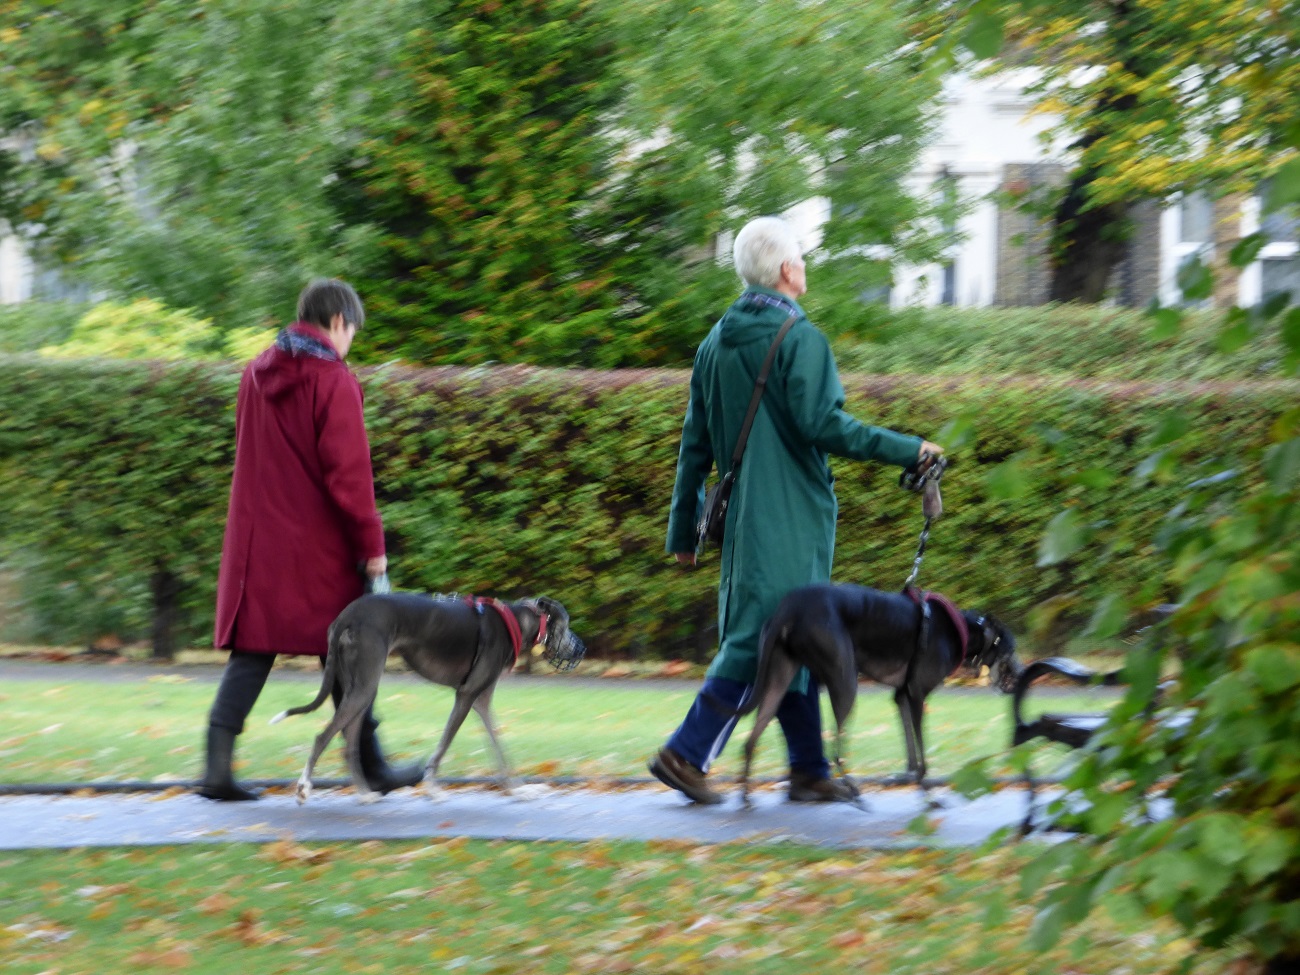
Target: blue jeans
702	735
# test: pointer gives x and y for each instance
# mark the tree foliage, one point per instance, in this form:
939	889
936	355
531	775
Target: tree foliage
533	181
736	110
470	194
1154	96
173	151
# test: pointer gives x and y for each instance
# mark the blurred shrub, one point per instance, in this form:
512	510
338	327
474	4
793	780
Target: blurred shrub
30	325
516	481
1077	340
145	329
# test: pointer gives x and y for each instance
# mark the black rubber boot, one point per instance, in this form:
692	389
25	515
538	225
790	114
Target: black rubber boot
218	780
380	776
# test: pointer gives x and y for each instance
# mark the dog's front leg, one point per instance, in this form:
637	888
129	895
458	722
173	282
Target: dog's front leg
903	701
912	710
483	705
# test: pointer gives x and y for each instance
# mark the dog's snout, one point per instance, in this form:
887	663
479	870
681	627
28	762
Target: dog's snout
566	651
1007	671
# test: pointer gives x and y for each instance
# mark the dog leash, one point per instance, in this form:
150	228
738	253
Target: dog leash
925	483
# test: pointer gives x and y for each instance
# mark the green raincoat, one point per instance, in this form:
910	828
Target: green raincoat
781	521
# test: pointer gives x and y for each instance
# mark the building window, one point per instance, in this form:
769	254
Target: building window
1279	260
1279	275
1195	219
1187	233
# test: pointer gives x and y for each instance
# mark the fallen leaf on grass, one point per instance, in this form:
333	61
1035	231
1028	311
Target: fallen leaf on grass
216	903
112	890
46	931
174	958
287	851
250	930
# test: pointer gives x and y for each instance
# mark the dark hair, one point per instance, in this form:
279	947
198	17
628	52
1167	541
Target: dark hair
324	298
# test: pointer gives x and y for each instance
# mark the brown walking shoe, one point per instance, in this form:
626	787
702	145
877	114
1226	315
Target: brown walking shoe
677	773
804	788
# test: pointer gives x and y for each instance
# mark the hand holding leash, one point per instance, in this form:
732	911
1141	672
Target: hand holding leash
374	573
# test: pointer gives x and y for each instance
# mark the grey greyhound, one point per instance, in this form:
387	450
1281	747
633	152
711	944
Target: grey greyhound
459	642
910	641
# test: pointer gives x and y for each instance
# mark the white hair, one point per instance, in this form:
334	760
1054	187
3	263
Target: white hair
761	247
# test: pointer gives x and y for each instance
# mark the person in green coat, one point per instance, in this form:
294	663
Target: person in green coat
780	529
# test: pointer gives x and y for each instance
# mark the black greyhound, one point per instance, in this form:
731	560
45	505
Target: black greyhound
910	641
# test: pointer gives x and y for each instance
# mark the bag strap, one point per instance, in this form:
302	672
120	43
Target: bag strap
759	386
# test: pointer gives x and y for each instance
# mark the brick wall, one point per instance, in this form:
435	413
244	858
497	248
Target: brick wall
1023	276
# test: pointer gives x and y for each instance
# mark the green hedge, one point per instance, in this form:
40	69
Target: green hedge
1065	340
515	481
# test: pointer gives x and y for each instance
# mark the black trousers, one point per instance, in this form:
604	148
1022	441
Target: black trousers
241	684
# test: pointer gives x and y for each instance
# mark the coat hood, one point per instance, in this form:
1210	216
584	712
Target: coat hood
756	316
297	352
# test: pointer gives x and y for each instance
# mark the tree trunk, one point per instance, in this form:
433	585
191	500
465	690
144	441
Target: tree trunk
1087	244
166	610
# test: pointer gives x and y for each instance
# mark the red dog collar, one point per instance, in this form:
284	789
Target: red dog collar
921	597
512	624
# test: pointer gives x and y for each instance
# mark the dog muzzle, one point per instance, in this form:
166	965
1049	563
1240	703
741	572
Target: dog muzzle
563	650
1003	673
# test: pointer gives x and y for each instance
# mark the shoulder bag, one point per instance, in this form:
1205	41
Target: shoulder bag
713	520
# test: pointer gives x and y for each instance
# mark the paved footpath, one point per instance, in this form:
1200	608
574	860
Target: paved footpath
540	813
545	813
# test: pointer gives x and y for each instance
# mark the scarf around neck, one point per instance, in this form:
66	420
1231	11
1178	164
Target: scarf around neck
300	344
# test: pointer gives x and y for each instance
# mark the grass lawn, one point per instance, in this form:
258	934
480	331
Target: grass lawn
480	907
80	731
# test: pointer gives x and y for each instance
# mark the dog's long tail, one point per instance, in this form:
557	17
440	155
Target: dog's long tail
327	678
767	640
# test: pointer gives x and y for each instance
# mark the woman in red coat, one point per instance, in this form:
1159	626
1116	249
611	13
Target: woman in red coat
302	519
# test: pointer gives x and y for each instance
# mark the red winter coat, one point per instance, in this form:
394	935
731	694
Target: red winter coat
302	503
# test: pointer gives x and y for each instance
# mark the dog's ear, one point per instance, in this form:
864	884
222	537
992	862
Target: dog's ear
551	607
